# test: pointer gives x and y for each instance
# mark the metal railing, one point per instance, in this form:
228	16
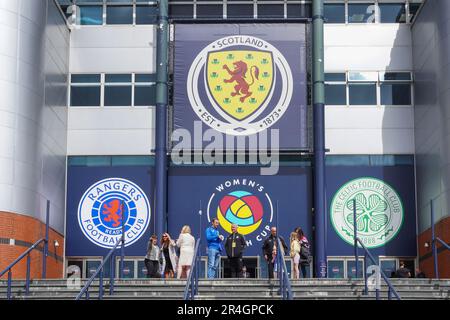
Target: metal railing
191	289
285	283
27	254
27	281
434	240
99	272
391	289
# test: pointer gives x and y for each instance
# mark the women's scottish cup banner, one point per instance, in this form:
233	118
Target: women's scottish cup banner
242	80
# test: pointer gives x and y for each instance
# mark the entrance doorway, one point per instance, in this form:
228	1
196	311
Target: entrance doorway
250	264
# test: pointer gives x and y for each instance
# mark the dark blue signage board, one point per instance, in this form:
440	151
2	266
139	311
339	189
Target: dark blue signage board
239	195
99	201
385	208
241	80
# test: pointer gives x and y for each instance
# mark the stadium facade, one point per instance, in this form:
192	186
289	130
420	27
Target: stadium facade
78	127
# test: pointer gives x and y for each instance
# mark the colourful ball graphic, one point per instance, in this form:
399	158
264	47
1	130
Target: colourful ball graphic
241	208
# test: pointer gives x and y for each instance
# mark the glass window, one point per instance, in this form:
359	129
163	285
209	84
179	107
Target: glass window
145	96
91	15
118	90
119	15
181	11
92	265
335	94
351	269
361	13
146	15
299	10
142	269
336	269
128	268
413	8
210	11
395	88
392	13
240	11
85	96
346	160
395	94
270	11
85	90
335	89
389	267
334	13
362	93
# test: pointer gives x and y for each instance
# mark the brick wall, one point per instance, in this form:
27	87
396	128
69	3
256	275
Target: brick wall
26	231
442	230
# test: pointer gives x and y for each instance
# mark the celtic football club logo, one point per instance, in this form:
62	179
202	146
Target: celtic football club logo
379	212
243	202
240	85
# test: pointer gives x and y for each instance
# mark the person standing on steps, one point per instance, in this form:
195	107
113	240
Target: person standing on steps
214	240
234	247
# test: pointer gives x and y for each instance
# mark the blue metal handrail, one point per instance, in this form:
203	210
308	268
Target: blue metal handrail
367	253
285	283
23	255
191	289
99	272
435	239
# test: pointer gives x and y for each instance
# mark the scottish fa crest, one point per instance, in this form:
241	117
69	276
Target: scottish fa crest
240	85
110	204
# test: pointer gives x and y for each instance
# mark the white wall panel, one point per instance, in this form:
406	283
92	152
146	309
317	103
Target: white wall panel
113	49
110	131
369	130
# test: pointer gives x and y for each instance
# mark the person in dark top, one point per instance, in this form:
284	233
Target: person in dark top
420	274
403	272
270	249
234	247
168	256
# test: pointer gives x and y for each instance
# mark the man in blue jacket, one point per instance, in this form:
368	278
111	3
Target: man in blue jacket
214	240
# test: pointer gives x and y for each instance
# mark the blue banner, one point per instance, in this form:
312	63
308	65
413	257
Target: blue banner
385	210
99	201
239	195
241	80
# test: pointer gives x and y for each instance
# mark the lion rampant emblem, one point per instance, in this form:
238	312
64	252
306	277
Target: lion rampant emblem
113	213
238	75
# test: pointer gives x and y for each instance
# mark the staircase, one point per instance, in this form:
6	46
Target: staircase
242	289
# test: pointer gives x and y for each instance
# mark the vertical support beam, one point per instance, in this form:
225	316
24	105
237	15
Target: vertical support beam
27	281
433	243
45	252
8	290
355	235
122	247
162	57
320	210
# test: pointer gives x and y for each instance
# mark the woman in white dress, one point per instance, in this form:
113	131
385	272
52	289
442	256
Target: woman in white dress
186	243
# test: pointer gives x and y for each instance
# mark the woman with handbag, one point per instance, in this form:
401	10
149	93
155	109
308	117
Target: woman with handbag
295	254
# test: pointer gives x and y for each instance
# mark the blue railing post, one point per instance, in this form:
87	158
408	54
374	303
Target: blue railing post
27	281
366	289
45	252
100	285
8	290
111	275
87	294
122	249
433	242
389	294
355	232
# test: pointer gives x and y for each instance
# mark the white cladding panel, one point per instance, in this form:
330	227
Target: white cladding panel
368	129
110	131
113	49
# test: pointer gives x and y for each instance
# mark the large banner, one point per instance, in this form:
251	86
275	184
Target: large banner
239	195
99	201
385	210
241	80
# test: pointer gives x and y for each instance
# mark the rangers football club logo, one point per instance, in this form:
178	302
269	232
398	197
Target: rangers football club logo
245	203
240	85
107	205
379	212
